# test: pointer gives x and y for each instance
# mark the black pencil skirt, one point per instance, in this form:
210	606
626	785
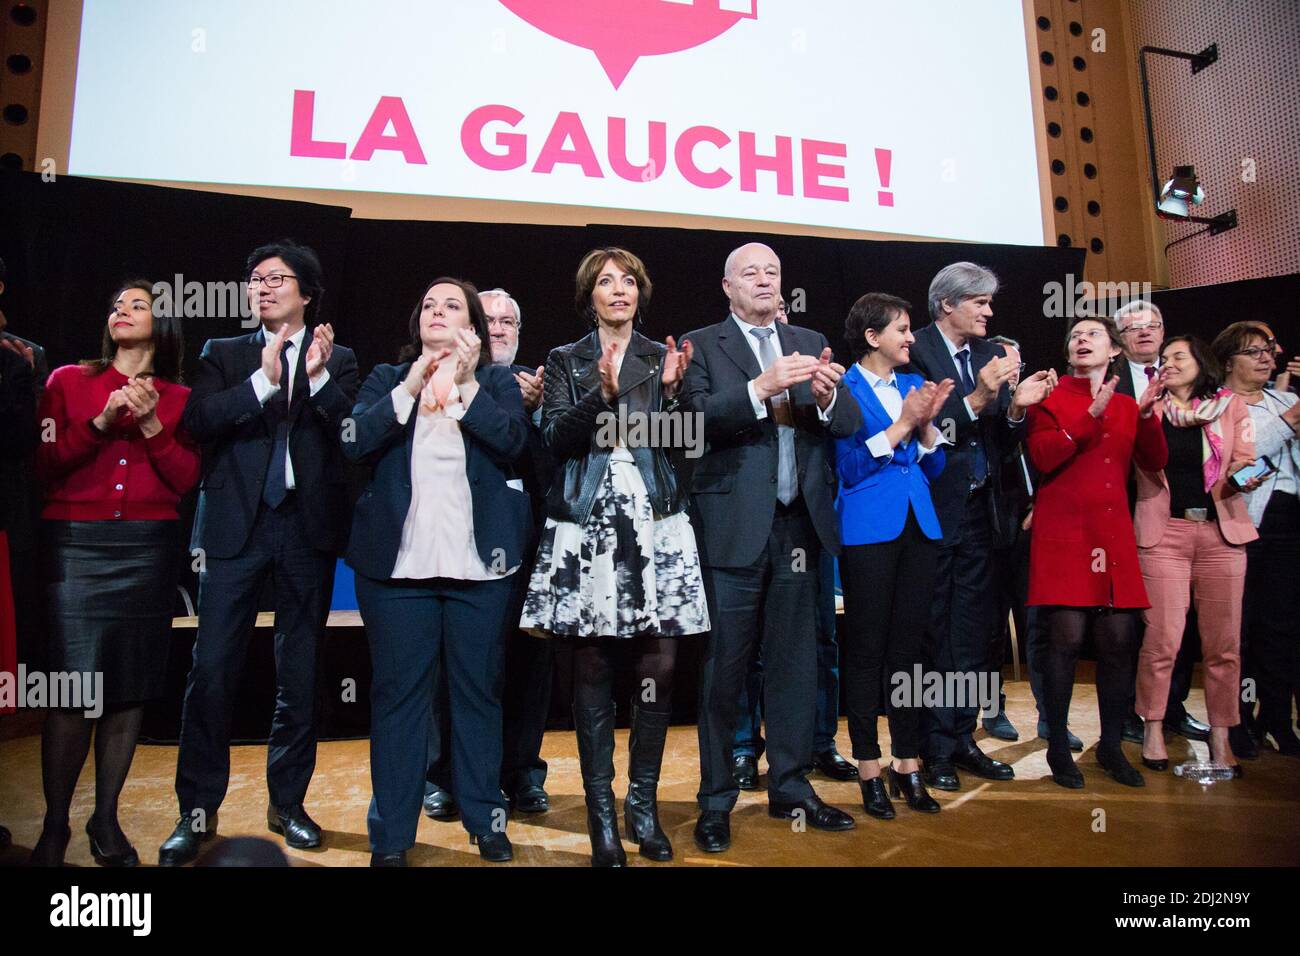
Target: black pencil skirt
110	588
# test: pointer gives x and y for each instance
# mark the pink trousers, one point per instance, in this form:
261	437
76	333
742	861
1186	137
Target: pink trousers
1192	561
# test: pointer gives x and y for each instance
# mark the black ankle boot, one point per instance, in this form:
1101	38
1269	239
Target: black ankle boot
641	809
595	726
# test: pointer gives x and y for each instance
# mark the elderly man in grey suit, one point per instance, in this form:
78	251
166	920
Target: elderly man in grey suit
771	398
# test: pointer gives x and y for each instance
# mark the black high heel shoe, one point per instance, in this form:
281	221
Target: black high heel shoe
1120	770
127	858
1064	771
51	847
912	787
874	799
1150	764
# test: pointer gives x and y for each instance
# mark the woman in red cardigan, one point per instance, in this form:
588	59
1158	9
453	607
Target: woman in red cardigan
1083	564
114	464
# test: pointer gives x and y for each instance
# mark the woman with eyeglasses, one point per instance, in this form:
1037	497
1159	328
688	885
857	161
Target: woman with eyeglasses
119	463
618	569
1083	567
1192	527
1270	635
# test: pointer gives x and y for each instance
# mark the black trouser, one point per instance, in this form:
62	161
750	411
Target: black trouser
961	617
887	587
525	702
228	589
414	627
1271	614
773	601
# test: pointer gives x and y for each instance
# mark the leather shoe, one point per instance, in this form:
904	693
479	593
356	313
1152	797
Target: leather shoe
1045	733
127	858
439	804
183	845
832	765
874	799
1132	730
299	830
529	799
941	775
817	813
713	831
1000	727
1064	771
1120	769
1156	765
388	859
744	770
494	846
973	760
912	788
51	846
1191	728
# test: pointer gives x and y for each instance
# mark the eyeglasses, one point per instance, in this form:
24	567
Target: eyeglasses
1090	334
273	281
1255	353
1154	324
507	323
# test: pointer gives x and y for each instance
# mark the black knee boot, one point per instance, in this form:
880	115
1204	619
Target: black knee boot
645	757
595	726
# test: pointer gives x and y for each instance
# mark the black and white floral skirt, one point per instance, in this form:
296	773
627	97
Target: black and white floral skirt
624	573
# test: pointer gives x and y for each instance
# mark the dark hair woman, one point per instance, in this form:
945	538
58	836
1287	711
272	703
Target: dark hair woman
1083	568
1192	530
435	538
618	563
118	464
890	537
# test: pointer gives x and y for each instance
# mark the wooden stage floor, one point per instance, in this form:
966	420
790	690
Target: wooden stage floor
1028	821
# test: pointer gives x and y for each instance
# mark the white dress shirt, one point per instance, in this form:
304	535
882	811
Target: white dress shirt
264	390
891	399
760	408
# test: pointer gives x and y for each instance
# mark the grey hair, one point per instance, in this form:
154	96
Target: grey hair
1003	340
1134	307
502	293
960	280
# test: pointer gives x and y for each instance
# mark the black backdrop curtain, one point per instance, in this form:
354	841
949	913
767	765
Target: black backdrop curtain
67	242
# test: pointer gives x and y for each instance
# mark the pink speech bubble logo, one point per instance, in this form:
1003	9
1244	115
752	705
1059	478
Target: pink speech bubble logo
621	31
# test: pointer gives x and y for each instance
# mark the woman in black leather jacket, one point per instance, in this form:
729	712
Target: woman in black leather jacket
617	566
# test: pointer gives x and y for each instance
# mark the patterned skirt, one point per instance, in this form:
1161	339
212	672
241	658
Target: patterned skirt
624	573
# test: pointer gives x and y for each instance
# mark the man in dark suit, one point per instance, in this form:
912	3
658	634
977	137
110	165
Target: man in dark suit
1142	328
770	398
269	408
984	419
526	698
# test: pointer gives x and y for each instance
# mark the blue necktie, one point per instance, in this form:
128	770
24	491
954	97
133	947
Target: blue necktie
274	490
787	481
980	470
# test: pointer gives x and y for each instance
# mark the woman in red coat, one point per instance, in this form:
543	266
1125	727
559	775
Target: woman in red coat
117	466
1083	563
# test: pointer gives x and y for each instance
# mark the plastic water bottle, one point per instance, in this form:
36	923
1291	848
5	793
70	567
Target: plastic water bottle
1203	772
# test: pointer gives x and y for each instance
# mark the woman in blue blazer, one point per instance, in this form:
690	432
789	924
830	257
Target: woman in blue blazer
889	533
435	538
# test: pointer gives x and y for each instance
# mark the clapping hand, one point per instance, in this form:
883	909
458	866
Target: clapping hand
826	376
318	353
1034	389
608	372
1103	397
271	355
530	387
142	399
675	364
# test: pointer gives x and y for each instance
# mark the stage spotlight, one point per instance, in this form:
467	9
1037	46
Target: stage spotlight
1180	193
